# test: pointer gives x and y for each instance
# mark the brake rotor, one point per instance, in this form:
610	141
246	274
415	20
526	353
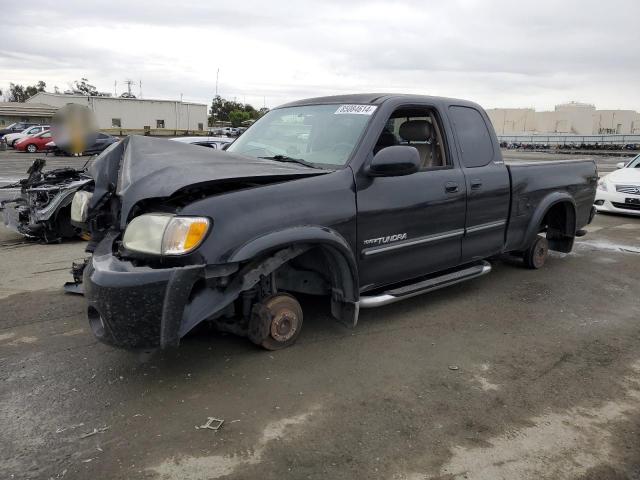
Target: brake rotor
285	319
275	322
540	252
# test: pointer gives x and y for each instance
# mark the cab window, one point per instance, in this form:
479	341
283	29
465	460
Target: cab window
420	128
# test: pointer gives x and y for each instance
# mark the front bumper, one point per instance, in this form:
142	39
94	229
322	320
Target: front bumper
615	202
136	307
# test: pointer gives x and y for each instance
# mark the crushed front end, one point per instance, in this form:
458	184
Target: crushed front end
149	279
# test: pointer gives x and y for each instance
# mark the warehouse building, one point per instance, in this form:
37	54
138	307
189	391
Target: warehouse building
13	112
133	113
567	118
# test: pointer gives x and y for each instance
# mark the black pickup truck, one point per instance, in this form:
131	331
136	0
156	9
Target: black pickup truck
367	199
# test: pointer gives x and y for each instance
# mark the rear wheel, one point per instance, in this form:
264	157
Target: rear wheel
276	322
32	148
536	255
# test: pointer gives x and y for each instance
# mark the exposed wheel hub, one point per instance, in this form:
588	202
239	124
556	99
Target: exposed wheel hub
540	254
284	325
275	322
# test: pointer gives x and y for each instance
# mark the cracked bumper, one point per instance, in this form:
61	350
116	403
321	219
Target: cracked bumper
137	307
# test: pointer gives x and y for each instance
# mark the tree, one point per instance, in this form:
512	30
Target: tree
236	117
83	87
19	93
221	110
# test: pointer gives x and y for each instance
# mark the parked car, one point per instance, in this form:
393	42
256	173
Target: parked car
227	131
101	142
619	191
389	196
12	138
236	132
16	127
209	142
34	143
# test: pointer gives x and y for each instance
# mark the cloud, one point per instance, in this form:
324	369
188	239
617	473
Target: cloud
498	53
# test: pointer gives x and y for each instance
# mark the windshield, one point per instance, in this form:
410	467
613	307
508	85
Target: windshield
320	135
635	163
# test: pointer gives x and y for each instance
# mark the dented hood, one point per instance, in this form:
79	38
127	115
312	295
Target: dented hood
139	168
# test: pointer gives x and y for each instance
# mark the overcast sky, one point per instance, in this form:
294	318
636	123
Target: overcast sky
498	53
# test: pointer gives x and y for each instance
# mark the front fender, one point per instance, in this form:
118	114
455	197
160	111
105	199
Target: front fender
311	234
337	251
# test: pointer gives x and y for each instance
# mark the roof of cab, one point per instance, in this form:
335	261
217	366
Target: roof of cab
372	99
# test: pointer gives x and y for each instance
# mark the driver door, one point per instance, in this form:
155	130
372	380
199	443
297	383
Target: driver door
410	226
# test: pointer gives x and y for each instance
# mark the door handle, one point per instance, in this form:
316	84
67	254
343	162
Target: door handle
476	184
451	187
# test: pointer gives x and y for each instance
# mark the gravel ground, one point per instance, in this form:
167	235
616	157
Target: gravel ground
516	375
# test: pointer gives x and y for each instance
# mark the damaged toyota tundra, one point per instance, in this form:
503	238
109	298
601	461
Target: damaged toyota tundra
364	199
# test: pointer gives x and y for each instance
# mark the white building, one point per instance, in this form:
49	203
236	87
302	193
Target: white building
568	118
133	113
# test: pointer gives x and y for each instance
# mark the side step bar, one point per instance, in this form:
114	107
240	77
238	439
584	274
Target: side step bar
424	286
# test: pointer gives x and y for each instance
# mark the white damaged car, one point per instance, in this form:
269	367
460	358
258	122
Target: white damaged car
619	191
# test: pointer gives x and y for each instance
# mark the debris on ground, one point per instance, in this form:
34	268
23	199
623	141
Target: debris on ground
72	427
94	432
212	424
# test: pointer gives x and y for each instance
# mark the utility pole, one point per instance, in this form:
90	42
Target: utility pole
217	74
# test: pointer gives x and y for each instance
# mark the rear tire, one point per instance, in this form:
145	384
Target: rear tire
276	322
536	255
32	148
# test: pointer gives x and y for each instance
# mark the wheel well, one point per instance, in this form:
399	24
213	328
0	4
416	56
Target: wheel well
559	223
322	270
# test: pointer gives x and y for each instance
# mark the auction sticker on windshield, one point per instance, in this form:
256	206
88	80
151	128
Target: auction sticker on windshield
356	109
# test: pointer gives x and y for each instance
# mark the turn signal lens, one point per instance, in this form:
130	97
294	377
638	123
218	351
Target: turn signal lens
184	234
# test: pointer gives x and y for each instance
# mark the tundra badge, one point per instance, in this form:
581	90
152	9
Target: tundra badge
387	239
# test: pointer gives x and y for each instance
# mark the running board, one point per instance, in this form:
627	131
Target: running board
424	286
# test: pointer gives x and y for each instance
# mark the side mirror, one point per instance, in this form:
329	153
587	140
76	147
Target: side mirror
620	165
395	161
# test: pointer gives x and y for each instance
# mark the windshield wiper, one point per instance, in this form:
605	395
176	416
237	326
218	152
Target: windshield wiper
284	158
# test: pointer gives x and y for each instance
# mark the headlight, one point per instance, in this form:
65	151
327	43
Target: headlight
162	234
80	206
602	184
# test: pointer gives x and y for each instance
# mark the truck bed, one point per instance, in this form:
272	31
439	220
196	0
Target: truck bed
531	181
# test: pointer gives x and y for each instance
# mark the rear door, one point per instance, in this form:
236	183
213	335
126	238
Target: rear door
487	183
